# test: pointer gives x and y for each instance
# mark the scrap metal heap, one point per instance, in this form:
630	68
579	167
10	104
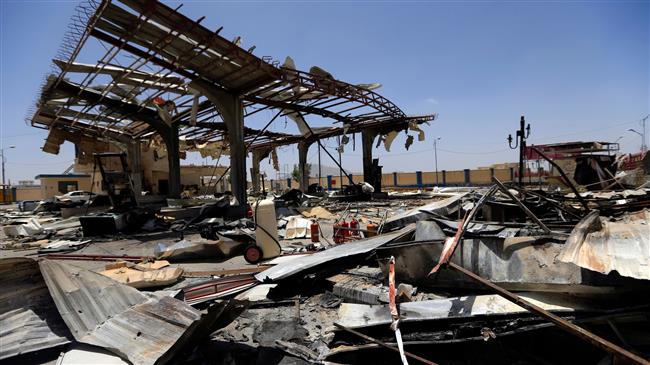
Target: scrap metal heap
465	276
502	274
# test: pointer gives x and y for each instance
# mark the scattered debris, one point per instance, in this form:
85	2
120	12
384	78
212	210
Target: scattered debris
207	269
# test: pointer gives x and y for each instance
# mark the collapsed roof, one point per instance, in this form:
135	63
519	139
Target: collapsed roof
158	65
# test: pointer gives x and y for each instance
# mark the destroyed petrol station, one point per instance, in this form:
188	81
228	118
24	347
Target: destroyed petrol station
132	256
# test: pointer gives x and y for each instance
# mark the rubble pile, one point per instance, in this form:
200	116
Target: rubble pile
483	275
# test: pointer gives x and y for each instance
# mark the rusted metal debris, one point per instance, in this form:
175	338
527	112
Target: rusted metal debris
368	338
218	288
592	338
96	309
521	205
29	320
604	245
89	257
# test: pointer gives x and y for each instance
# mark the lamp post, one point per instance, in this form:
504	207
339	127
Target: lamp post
435	154
643	146
522	134
4	188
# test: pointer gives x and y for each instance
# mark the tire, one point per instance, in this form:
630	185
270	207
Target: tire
253	254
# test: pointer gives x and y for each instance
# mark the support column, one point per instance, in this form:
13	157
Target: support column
232	112
367	139
234	121
170	136
258	156
134	155
303	148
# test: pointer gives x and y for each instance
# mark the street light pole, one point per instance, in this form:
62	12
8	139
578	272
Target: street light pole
435	154
522	134
4	188
643	147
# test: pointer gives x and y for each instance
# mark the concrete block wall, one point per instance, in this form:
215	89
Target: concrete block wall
417	179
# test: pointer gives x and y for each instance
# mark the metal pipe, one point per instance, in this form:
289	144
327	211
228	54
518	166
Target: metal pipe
368	338
521	205
566	179
558	321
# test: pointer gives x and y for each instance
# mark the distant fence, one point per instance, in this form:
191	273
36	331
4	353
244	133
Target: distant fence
409	180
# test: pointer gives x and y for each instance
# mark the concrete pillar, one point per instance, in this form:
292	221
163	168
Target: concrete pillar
234	121
134	156
329	182
170	136
418	178
303	148
468	180
258	156
367	142
232	112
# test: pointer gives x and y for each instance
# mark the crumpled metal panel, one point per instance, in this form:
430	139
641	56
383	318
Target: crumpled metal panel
441	208
517	263
292	267
363	315
482	229
102	312
603	245
29	320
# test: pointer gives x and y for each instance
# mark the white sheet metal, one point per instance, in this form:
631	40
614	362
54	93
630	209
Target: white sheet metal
441	207
363	315
286	269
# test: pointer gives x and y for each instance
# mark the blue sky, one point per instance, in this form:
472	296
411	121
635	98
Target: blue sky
577	70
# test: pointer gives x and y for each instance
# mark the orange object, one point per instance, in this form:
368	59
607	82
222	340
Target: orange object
372	229
391	289
314	228
450	245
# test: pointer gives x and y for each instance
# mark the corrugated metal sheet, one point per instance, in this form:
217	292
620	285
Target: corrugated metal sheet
29	320
286	269
480	229
603	245
440	208
102	312
362	315
86	354
515	263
